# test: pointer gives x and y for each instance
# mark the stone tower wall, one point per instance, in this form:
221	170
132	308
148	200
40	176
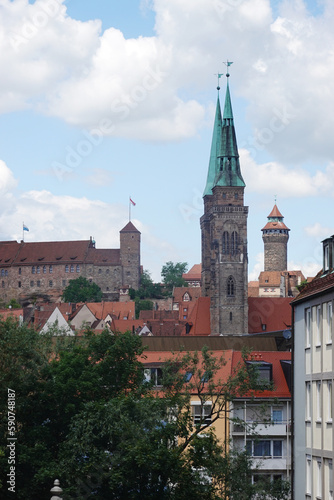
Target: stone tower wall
130	258
275	251
224	212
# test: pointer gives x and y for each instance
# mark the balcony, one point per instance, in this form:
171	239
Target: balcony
260	428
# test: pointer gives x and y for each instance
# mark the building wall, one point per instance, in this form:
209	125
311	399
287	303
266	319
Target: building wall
255	416
313	398
224	216
275	251
49	280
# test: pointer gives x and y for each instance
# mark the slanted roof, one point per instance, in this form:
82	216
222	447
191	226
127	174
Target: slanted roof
322	283
194	273
40	253
8	252
180	291
119	310
215	150
126	325
275	220
274	312
281	389
129	228
199	318
111	257
253	289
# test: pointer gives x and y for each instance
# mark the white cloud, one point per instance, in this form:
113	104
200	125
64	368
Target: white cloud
273	177
254	274
7	180
145	86
318	231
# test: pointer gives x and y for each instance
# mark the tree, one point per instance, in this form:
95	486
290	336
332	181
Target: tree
81	290
147	446
172	275
85	414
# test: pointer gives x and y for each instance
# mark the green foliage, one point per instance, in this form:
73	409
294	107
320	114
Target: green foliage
143	305
81	290
147	289
13	304
84	415
171	274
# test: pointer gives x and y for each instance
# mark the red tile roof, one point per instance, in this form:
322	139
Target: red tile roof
281	389
12	313
274	312
119	310
8	252
194	273
275	212
126	325
179	292
199	319
322	283
253	289
103	256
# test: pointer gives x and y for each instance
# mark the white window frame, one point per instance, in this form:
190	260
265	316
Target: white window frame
318	326
329	401
308	328
308	475
206	409
318	400
330	479
308	405
329	322
319	479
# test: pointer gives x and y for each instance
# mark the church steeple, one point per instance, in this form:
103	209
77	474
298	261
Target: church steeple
228	172
224	229
215	149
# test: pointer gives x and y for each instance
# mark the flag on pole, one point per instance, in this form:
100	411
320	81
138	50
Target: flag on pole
133	203
25	228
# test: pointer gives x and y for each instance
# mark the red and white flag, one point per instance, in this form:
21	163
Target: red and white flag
133	203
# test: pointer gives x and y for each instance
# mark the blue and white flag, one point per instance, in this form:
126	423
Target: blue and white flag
25	228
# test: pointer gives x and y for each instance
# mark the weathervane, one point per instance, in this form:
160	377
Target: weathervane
218	75
228	64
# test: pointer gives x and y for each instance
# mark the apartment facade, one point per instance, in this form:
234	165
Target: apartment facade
313	450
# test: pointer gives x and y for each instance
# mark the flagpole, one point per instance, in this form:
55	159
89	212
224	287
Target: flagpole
23	232
129	208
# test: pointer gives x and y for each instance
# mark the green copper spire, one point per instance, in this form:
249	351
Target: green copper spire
224	166
215	150
228	172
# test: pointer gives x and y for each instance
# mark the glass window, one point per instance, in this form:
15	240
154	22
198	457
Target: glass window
33	269
277	416
72	268
67	268
277	448
20	270
50	269
38	270
230	287
78	268
44	269
307	327
202	414
261	448
50	283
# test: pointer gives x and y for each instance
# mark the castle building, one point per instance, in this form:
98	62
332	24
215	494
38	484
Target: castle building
41	270
224	230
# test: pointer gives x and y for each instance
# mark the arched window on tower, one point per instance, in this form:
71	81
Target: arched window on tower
230	286
226	243
234	243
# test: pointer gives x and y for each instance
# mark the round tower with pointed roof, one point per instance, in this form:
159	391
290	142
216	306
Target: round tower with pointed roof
275	235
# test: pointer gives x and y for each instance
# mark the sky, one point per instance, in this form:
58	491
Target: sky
101	101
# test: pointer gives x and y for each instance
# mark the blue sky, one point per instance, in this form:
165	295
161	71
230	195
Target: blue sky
104	100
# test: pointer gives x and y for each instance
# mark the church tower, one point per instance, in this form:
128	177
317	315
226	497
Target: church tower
224	229
275	237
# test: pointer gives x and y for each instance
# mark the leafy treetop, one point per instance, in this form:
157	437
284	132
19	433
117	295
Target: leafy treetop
82	290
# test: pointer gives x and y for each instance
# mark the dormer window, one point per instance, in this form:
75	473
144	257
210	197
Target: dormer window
186	297
264	369
328	256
